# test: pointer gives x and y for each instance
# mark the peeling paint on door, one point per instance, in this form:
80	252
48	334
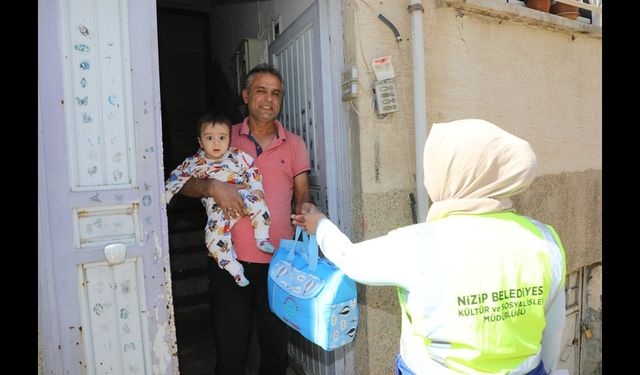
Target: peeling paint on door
160	351
168	288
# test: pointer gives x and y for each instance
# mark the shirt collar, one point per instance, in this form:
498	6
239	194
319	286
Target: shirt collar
281	132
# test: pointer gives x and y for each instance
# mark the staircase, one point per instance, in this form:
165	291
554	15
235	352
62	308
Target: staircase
189	274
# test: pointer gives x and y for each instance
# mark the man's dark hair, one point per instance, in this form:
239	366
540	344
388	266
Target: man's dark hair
263	68
213	117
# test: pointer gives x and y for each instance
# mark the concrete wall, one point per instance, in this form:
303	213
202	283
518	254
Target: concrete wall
572	203
534	74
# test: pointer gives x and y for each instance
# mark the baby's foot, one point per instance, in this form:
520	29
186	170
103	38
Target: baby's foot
264	245
241	280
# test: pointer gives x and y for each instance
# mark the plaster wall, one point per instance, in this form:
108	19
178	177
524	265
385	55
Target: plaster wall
571	202
536	75
542	85
383	158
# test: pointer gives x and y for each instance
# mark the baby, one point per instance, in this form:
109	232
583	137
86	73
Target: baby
215	159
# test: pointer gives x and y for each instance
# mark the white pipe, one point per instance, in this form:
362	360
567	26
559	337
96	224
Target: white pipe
419	103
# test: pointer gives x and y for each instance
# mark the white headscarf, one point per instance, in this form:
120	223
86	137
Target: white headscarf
473	166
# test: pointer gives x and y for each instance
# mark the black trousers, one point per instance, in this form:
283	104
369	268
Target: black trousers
232	310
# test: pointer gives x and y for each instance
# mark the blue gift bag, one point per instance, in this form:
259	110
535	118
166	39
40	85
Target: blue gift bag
311	294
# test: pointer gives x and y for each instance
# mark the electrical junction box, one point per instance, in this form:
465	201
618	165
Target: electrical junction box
349	91
249	53
386	96
349	83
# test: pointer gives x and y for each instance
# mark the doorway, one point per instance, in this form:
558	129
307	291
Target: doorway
187	79
187	61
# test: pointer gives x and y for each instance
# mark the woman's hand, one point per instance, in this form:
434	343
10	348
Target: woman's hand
308	218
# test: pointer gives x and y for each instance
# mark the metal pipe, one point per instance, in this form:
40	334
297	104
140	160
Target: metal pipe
416	11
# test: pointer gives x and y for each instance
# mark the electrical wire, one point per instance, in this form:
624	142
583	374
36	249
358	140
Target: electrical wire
391	26
354	108
367	4
369	70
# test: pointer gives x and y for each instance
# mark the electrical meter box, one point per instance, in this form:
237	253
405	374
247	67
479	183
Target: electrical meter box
249	53
386	98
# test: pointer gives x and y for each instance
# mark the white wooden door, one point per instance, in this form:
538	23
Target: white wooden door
104	285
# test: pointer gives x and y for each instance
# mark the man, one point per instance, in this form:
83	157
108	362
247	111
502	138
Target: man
282	158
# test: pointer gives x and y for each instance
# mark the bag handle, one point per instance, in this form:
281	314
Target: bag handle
310	244
292	250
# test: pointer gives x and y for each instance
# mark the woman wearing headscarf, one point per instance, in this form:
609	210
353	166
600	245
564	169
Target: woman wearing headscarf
480	286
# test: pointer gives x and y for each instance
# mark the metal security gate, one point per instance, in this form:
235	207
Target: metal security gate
297	54
581	350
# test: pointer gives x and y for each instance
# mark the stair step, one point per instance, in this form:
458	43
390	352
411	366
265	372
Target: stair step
188	273
180	203
177	251
186	225
186	239
195	338
186	287
191	300
186	214
187	222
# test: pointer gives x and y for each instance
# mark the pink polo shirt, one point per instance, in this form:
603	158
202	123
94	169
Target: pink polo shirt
284	159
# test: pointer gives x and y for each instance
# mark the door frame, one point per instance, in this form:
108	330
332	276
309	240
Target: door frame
47	307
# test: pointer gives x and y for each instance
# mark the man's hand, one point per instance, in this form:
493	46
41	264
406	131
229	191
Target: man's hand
226	195
308	218
228	199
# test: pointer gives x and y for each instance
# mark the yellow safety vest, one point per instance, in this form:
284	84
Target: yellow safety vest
495	312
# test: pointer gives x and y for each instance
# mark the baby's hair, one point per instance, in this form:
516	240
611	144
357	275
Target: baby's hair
212	118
